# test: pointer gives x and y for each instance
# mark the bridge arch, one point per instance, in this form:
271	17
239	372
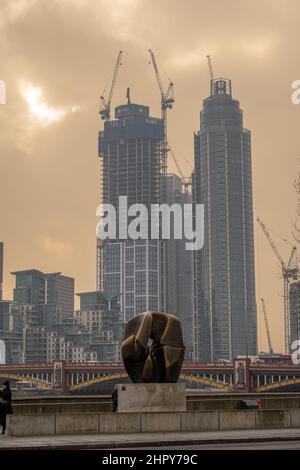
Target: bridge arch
277	384
205	381
123	375
31	380
96	380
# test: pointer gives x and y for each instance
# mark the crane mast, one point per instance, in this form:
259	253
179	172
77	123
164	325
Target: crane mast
186	180
290	272
105	105
264	310
270	240
211	73
167	100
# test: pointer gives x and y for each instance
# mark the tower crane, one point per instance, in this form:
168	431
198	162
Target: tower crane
167	101
167	97
264	310
105	105
290	271
186	180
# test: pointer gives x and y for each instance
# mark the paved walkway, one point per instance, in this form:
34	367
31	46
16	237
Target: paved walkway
111	441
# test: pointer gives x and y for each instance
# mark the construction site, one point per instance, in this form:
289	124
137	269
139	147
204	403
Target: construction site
148	184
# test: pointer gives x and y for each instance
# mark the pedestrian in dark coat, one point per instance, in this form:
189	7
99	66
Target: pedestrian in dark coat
5	404
115	399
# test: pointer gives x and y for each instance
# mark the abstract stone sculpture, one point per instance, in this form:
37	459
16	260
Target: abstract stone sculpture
153	349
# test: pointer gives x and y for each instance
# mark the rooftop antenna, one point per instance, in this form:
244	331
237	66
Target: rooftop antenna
128	96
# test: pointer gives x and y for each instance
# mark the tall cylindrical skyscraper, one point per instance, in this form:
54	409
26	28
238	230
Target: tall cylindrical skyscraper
1	271
225	308
294	300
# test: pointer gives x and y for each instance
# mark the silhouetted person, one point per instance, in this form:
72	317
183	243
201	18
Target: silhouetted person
114	397
5	405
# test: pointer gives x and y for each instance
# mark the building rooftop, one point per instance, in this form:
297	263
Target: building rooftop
35	271
220	86
131	110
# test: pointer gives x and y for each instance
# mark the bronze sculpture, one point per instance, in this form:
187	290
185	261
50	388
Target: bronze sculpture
153	349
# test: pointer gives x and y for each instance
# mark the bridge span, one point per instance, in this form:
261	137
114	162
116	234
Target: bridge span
239	375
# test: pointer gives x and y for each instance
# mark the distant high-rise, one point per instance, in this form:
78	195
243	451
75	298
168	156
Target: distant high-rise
60	292
225	308
179	270
294	299
129	147
101	316
1	271
52	294
43	305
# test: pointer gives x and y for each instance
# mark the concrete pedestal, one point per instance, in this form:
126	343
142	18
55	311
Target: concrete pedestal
145	397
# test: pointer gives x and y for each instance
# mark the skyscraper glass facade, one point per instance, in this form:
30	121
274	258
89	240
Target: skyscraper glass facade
224	282
130	152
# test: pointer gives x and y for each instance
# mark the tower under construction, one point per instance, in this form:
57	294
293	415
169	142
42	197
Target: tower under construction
131	165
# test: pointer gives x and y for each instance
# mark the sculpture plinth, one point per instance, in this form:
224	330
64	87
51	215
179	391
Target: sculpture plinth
151	397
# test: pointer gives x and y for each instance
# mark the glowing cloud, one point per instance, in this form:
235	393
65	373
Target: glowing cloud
54	246
76	108
44	113
258	48
192	58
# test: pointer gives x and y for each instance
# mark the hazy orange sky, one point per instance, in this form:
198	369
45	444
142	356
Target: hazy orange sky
57	56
